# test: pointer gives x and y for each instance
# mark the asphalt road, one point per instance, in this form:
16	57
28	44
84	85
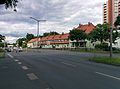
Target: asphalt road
52	69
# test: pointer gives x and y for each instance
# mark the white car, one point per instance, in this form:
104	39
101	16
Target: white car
20	49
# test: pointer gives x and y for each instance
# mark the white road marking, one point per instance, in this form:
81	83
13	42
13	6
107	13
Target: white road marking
16	60
48	88
32	76
68	64
25	67
114	77
19	63
10	56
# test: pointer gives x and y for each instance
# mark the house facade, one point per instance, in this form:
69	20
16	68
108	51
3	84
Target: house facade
53	41
111	7
87	28
62	40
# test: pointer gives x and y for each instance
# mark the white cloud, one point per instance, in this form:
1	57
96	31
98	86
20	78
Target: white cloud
61	16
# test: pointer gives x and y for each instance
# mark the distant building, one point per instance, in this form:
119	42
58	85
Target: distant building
107	7
54	41
61	40
86	27
105	12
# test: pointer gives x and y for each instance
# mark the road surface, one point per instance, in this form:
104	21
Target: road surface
54	69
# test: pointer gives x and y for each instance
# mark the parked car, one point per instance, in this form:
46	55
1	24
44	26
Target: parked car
20	49
8	49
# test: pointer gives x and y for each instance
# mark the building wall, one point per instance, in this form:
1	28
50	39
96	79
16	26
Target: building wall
56	46
115	9
105	12
115	6
119	7
117	43
32	45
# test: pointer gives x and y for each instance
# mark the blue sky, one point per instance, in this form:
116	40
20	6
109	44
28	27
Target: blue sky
61	16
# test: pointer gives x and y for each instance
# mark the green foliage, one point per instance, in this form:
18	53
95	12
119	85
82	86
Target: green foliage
2	37
1	44
116	35
50	33
103	46
100	33
29	37
1	50
9	3
117	22
2	53
77	35
20	41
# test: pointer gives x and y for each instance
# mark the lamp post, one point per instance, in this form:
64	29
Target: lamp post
38	21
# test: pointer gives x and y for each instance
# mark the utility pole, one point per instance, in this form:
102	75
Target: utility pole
111	27
38	21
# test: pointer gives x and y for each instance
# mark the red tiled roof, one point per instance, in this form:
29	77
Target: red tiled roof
32	40
57	37
87	28
50	37
44	38
65	36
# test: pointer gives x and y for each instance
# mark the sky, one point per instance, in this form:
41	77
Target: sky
60	15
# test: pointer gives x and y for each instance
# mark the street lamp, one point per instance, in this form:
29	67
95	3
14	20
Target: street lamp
38	21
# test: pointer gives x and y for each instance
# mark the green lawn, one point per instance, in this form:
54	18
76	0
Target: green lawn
2	54
106	60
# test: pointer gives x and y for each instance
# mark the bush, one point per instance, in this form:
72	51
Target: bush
2	53
1	50
116	50
103	46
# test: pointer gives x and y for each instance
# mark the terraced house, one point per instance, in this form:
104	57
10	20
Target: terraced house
61	40
54	41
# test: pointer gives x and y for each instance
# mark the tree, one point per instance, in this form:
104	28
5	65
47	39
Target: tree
9	3
29	37
20	41
116	35
117	22
77	34
100	33
2	38
50	33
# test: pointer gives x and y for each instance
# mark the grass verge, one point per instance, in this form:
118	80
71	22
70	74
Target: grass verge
2	54
106	60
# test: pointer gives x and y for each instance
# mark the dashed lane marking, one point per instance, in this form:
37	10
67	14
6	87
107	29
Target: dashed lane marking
25	67
68	64
16	60
19	63
106	75
32	76
10	56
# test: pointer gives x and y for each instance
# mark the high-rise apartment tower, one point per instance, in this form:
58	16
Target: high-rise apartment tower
111	9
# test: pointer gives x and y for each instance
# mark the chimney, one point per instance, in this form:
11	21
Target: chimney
89	23
80	25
